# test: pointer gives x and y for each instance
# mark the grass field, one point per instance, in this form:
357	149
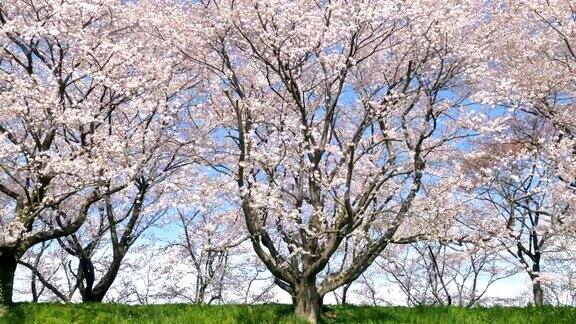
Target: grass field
112	313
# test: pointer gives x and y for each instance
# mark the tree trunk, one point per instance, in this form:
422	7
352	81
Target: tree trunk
34	289
96	294
92	296
92	299
8	262
345	294
86	273
537	292
308	302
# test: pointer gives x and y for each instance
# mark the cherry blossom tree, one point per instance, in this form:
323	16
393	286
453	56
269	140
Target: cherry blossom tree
85	98
519	192
47	168
332	115
122	218
430	273
524	158
558	280
332	137
207	246
204	264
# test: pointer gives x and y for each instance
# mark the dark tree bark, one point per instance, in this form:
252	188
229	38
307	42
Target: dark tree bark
8	263
97	293
344	300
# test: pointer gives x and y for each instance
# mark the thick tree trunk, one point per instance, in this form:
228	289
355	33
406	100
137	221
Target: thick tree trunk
308	302
92	297
537	292
86	273
96	293
8	262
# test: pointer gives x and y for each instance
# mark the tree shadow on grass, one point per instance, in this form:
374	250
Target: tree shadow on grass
269	313
358	314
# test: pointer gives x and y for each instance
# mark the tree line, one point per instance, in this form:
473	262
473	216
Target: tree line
309	146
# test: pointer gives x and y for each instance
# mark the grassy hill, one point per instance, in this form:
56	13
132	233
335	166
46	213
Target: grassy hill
113	313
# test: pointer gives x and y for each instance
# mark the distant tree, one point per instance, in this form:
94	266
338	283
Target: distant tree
523	159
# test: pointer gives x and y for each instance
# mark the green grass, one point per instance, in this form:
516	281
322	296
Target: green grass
113	313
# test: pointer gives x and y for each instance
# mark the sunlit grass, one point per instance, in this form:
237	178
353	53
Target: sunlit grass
114	313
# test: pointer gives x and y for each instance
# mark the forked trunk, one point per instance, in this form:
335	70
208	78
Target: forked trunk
308	302
94	292
8	262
